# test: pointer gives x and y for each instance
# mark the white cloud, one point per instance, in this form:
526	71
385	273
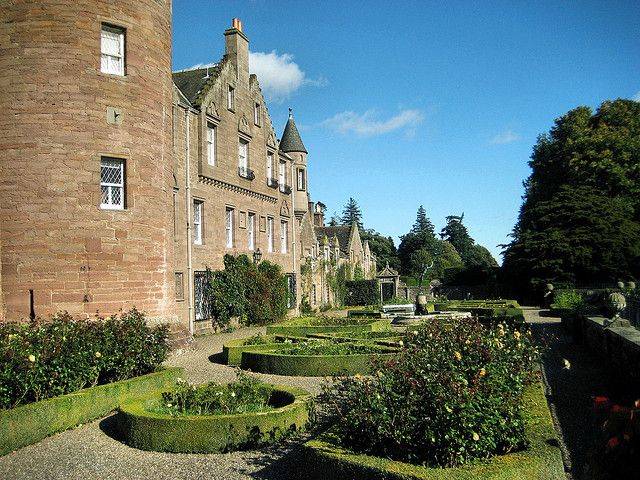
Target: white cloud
201	65
279	75
368	124
636	97
508	136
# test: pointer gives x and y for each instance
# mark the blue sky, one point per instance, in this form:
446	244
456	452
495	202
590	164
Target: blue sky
433	103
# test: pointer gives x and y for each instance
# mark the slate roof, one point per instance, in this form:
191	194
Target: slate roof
291	141
341	232
192	82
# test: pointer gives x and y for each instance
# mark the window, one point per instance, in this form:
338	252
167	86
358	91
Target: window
211	145
112	183
300	179
270	235
175	214
283	236
112	50
229	227
282	173
269	166
231	98
243	152
314	294
251	231
202	306
197	222
256	114
291	290
179	278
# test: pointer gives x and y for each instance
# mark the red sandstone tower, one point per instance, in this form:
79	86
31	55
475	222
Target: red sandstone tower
85	157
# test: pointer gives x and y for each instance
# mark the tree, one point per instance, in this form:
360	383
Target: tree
474	257
383	248
351	214
423	225
420	237
335	220
581	208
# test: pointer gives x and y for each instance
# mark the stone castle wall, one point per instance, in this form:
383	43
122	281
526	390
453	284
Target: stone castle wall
56	240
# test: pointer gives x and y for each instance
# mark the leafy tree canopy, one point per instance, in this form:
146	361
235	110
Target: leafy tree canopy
383	248
581	207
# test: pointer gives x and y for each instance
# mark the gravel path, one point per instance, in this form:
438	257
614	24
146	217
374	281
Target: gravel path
88	453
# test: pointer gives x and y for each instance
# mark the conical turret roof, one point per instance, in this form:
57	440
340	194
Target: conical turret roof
291	141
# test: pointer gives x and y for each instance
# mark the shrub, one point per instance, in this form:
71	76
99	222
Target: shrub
319	347
453	394
246	394
569	299
362	292
257	294
43	359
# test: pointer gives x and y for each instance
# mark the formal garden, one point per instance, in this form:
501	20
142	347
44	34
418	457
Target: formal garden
456	381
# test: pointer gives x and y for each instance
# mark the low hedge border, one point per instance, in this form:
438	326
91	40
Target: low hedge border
30	423
277	363
299	329
541	461
146	430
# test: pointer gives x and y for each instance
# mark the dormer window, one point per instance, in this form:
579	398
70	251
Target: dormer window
231	98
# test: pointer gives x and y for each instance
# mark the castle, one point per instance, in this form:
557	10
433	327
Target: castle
122	181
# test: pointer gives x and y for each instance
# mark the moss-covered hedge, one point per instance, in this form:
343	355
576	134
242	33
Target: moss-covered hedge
298	327
309	365
232	350
541	461
31	423
486	310
145	430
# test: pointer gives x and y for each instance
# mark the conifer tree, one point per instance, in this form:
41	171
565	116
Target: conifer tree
351	214
423	225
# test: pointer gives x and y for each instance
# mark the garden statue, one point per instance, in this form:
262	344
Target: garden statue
547	295
617	303
421	299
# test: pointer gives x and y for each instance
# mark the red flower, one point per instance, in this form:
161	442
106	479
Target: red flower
613	442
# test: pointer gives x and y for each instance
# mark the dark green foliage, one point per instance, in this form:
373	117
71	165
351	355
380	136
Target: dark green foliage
31	423
579	221
313	365
423	225
142	428
362	292
383	248
337	281
541	460
421	237
246	394
351	214
44	359
454	394
255	294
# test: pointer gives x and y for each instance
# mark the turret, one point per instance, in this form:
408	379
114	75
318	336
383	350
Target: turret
291	143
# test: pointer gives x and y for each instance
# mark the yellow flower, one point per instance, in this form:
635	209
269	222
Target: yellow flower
482	372
401	343
458	355
32	358
476	437
98	354
516	334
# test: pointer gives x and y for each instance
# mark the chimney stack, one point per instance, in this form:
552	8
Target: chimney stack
237	50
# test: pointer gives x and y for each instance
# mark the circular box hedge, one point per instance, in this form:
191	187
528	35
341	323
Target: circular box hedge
278	363
140	428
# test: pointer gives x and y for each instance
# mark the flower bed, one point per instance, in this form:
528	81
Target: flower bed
155	424
232	350
541	460
304	326
31	423
309	362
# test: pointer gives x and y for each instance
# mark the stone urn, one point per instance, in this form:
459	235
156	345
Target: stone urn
621	285
631	285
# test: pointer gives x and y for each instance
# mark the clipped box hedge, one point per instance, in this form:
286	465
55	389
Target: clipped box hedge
146	430
277	363
30	423
232	350
541	461
299	327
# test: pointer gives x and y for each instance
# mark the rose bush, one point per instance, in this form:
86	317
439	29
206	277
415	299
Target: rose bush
43	359
453	394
